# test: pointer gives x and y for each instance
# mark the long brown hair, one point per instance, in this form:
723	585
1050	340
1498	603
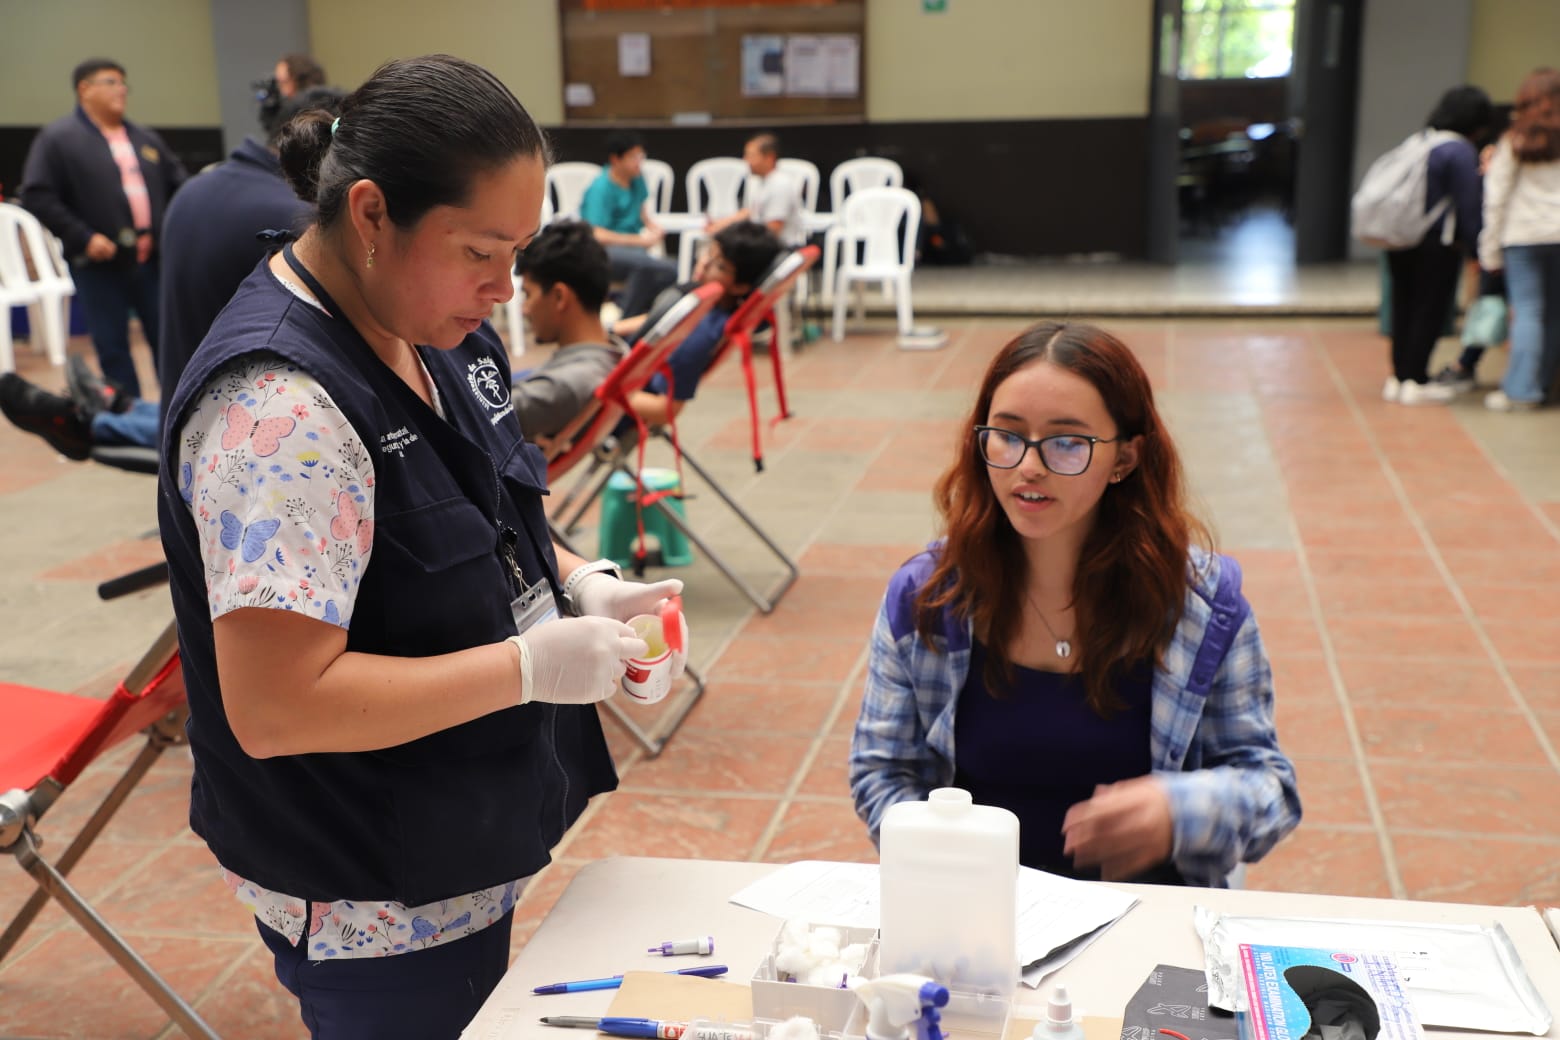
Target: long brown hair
1130	586
1535	120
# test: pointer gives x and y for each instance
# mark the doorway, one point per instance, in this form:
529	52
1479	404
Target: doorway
1252	131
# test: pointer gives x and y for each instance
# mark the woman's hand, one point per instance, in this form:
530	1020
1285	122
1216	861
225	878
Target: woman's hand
1125	829
605	596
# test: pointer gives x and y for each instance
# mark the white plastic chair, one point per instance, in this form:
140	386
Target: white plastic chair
807	173
848	177
512	316
44	287
659	181
716	188
877	231
566	184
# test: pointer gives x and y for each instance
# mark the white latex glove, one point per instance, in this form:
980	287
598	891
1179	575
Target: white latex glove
602	595
605	596
575	660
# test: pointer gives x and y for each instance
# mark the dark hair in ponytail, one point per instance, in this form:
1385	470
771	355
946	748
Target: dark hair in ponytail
419	128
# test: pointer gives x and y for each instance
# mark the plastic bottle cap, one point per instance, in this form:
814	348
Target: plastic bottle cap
1059	1009
950	799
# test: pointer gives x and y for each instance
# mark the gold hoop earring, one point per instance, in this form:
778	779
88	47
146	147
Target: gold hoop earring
371	248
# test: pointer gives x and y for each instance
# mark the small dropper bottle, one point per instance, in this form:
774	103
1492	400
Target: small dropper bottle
1059	1023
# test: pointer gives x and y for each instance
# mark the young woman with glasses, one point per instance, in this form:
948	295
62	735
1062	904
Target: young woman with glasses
1094	665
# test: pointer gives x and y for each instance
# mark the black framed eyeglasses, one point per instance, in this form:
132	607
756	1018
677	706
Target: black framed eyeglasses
1064	454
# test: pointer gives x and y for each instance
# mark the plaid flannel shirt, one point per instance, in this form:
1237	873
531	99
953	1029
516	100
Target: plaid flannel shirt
1232	791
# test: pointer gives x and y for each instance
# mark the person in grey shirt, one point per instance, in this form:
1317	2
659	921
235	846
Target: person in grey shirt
564	278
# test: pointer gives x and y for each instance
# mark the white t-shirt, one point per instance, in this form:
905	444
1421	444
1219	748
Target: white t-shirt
779	197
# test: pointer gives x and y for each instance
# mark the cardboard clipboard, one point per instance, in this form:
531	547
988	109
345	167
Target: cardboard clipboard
681	998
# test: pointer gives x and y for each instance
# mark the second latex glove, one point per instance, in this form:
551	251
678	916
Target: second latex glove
575	660
602	595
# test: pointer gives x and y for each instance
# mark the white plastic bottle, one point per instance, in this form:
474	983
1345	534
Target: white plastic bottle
949	873
1059	1023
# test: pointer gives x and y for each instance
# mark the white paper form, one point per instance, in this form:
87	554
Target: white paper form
1054	912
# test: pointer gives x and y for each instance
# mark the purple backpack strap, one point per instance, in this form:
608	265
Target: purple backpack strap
1229	613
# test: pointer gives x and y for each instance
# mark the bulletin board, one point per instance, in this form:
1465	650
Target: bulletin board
690	62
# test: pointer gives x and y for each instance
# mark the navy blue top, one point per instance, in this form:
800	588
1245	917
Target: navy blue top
210	246
692	357
1454	171
1041	749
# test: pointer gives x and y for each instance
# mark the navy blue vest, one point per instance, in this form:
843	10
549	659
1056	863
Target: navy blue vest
459	810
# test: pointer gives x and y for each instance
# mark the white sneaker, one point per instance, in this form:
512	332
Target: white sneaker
1410	392
1389	389
1497	401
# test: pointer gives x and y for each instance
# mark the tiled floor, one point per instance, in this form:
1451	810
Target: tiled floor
1405	565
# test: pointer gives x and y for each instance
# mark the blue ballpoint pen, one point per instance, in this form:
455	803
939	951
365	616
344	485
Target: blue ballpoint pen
646	1028
614	981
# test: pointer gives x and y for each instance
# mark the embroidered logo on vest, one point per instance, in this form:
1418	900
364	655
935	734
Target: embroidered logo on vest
488	385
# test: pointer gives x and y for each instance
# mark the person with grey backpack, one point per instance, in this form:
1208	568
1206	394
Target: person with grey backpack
1423	203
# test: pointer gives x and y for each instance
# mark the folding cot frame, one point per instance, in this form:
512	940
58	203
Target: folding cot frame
49	739
593	426
612	457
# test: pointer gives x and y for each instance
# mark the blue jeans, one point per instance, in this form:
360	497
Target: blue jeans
1533	289
136	428
644	274
108	293
429	994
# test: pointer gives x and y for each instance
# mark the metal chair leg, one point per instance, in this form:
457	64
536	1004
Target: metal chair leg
83	840
763	603
599	472
655	744
53	882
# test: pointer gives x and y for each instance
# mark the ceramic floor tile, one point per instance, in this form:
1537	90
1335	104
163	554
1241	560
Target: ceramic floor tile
821	830
1538	684
760	657
741	762
73	989
829	774
870	561
1343	862
1470	681
1331	792
1480	799
1398	636
1447	735
1428	596
1509	602
631	823
1311	726
1505	873
763	707
1527	641
1301	677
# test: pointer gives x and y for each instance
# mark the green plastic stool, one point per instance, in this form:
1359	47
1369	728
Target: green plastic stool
618	530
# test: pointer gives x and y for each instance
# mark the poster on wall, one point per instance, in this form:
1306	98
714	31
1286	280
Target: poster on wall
763	65
826	65
634	54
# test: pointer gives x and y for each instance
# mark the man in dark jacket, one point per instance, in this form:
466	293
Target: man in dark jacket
101	183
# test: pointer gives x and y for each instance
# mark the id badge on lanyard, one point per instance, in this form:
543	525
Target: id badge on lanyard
535	605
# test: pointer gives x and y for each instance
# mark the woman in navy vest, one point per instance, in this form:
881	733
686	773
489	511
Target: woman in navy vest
1098	672
390	721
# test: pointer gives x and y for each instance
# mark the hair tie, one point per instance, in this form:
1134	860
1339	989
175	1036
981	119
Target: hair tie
334	123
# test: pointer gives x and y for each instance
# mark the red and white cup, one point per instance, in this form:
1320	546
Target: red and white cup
648	679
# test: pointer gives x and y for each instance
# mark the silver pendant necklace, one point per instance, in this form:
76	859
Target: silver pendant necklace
1063	646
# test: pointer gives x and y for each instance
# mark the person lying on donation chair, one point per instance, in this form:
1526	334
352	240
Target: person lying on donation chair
1071	650
737	258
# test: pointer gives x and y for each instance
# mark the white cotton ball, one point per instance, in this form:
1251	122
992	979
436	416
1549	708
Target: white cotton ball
854	956
792	960
829	935
797	1028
